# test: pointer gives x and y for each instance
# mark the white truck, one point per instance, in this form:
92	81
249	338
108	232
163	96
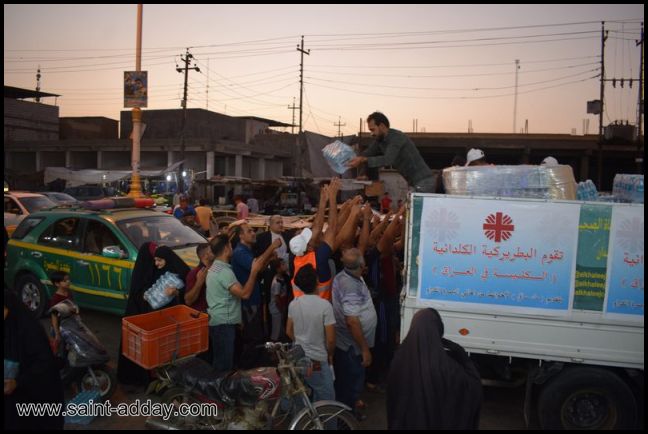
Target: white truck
549	291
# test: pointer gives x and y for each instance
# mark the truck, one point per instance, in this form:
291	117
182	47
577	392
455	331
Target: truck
545	293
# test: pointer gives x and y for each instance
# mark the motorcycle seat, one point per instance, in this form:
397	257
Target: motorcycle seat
229	388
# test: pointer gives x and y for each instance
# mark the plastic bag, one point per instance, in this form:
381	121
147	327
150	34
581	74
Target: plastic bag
10	369
337	154
155	295
84	349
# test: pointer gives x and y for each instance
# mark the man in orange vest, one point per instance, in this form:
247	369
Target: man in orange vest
304	246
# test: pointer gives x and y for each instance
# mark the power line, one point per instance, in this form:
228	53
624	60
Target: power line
484	74
483	29
473	65
497	38
449	97
452	89
242	95
437	45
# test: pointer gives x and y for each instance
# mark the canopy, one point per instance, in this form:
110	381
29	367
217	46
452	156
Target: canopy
74	178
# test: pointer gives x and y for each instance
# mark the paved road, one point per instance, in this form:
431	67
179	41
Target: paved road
502	408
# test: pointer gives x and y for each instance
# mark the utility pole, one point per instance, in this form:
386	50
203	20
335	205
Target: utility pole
298	162
38	77
339	125
293	108
640	108
135	188
517	68
207	91
600	140
186	60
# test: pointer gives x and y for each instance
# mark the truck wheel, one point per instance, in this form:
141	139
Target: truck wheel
32	293
587	398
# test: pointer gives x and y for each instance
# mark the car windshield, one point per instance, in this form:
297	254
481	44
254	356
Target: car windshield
35	203
164	230
62	197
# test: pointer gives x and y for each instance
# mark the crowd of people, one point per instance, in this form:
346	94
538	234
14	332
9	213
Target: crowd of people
333	289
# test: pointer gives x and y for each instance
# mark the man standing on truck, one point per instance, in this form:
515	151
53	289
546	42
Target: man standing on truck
394	148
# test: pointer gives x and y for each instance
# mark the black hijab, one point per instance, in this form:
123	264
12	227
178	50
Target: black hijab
429	386
173	264
38	379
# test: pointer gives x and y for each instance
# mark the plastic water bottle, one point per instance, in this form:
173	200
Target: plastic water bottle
155	296
337	154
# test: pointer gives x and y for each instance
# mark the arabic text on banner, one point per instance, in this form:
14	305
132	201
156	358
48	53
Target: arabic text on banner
499	254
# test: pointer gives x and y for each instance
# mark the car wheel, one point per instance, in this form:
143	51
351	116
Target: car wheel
587	398
32	293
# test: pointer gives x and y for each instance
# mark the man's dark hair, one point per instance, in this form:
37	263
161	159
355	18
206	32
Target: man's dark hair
458	160
306	279
58	277
218	244
203	202
378	119
200	248
275	263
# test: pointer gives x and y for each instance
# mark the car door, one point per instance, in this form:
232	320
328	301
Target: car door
59	247
104	282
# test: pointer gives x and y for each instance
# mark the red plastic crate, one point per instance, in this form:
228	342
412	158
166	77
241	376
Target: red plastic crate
152	339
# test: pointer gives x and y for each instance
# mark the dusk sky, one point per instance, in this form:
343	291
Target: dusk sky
444	65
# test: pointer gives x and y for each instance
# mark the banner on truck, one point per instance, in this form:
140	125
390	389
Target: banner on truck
498	255
592	256
625	283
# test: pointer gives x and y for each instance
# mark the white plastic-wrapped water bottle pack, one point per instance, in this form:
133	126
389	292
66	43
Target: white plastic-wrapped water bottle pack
155	295
587	191
628	188
543	182
337	154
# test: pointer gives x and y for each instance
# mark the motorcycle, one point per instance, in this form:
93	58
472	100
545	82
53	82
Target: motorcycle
82	357
260	398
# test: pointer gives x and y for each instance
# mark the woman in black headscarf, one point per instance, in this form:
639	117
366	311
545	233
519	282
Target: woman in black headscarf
152	262
166	260
37	380
432	383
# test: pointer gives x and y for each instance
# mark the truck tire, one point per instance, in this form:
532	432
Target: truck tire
32	293
587	398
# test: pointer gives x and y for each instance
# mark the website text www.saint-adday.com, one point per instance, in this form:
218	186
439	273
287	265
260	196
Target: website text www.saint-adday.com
137	408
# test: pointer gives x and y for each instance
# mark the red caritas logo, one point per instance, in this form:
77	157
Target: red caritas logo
498	227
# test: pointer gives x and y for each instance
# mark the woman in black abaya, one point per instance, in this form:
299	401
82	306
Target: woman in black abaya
432	383
152	262
37	380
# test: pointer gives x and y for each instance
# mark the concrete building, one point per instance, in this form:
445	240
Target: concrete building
95	127
214	143
26	120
